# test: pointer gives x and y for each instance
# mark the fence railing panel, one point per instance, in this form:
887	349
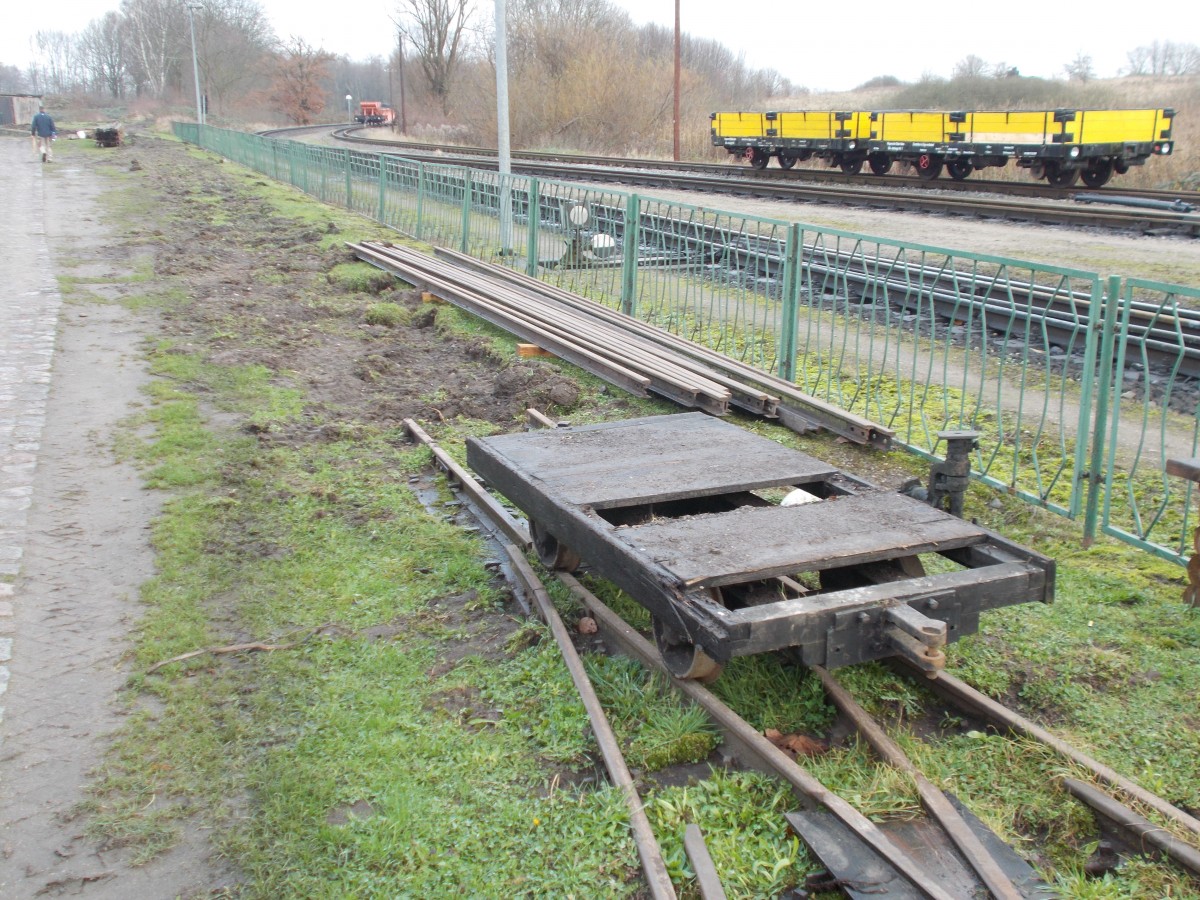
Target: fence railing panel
715	278
925	340
1155	416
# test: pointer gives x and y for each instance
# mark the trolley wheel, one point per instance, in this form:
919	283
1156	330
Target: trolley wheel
1060	176
757	158
929	166
786	160
1098	173
880	163
552	553
683	658
852	166
958	169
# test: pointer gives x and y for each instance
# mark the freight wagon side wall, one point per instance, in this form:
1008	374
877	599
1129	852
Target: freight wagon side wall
1117	126
736	124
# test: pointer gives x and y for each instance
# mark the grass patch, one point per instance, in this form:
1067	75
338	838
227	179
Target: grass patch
361	278
388	315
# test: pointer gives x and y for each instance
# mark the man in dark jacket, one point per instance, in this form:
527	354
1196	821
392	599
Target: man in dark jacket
43	131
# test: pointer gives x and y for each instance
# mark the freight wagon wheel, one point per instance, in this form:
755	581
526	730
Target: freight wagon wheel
552	553
880	163
929	166
682	657
852	166
757	158
1098	173
958	169
1060	176
786	161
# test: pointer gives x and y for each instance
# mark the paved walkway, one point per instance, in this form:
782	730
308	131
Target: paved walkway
74	523
29	307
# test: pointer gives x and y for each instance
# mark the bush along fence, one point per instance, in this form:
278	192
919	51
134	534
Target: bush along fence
1081	387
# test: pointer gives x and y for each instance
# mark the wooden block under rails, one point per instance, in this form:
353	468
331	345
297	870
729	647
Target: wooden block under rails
533	350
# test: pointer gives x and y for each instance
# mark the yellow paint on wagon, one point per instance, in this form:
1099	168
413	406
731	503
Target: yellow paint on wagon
739	124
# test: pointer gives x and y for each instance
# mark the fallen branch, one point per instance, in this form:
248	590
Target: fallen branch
236	648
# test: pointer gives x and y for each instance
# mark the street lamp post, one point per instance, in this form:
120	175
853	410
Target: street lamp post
349	114
191	7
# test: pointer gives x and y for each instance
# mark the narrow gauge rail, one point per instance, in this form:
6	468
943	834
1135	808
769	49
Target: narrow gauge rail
747	172
992	867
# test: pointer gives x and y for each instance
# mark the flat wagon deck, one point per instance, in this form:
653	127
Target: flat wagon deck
682	513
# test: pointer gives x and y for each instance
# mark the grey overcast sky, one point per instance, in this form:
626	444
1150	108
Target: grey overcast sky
819	46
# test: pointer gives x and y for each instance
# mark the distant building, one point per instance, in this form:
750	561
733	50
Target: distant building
18	109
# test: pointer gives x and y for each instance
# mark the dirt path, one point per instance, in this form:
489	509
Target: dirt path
82	544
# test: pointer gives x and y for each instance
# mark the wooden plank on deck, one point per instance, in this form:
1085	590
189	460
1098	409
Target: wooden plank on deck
760	542
653	459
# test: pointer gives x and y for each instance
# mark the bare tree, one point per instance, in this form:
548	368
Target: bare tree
59	69
234	38
156	43
298	74
437	30
970	66
1164	58
1080	68
102	53
12	81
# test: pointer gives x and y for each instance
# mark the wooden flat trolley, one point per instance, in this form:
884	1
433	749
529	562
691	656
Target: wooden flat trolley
682	512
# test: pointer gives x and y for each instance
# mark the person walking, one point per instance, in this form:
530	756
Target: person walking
43	131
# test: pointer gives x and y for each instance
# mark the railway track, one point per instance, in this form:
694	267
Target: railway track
904	193
864	858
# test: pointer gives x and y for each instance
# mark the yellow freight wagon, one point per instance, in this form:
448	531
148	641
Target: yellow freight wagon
837	136
1059	145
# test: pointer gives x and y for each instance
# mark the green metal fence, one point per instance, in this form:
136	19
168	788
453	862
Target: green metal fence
920	339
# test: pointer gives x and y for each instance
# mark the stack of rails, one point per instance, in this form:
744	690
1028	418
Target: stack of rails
797	410
1060	145
639	358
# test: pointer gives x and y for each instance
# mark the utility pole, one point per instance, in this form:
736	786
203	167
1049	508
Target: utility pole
502	133
403	115
677	43
191	7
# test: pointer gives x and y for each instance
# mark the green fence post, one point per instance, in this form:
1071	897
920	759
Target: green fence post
468	187
1103	393
533	221
346	163
420	198
789	306
382	188
632	235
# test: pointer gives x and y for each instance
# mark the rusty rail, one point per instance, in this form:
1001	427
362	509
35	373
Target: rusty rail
967	697
658	881
932	797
